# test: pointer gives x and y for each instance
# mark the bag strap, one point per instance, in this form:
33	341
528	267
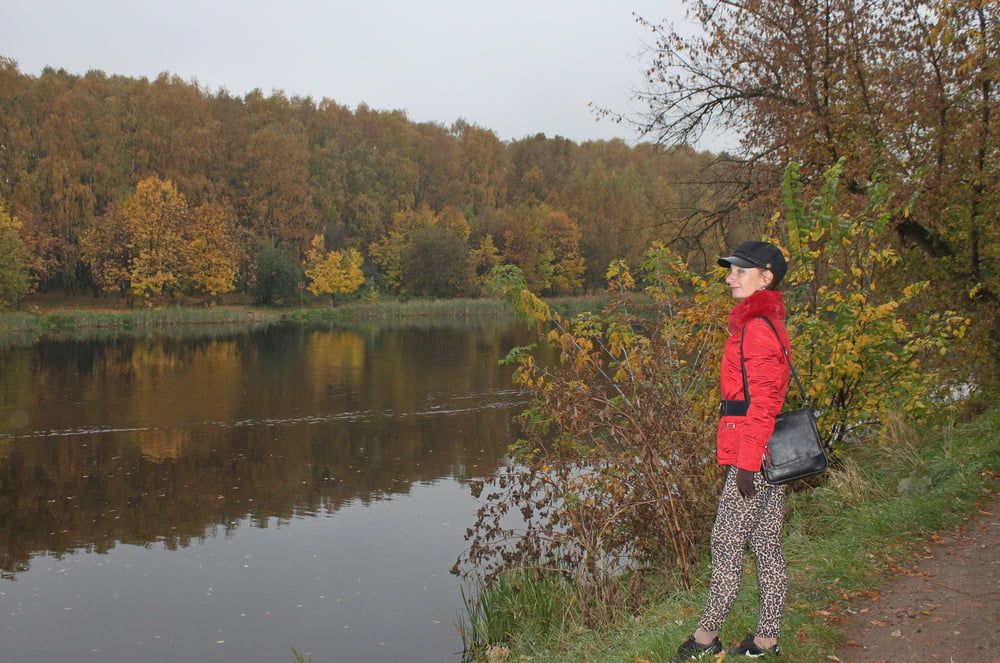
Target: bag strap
743	368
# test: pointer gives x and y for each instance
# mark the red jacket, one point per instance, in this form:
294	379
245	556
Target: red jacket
741	441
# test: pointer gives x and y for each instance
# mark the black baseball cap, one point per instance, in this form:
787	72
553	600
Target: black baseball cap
758	254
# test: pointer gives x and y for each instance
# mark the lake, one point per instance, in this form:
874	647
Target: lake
227	498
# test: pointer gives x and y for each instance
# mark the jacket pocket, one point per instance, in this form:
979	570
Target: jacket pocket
728	435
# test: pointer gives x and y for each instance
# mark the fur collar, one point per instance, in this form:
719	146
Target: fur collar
768	303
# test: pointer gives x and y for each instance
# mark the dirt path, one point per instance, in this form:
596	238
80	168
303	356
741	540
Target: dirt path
945	607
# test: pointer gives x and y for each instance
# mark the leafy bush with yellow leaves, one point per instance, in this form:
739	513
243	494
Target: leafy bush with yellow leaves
861	358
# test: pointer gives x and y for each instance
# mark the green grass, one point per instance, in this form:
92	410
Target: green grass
19	328
391	310
522	603
75	319
842	538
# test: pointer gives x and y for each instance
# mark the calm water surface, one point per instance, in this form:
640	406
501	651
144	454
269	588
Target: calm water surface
225	499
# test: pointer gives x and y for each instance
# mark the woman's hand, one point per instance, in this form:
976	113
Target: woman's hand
744	483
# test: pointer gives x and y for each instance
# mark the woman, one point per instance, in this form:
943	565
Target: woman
750	511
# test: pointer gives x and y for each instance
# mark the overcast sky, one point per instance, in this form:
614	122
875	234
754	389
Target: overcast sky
517	67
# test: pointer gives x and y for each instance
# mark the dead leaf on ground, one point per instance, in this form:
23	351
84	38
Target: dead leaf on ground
878	622
854	643
909	572
897	633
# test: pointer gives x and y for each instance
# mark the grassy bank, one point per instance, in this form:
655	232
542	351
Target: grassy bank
388	310
842	539
392	310
70	319
21	325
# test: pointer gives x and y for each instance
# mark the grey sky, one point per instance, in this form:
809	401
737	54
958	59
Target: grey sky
517	67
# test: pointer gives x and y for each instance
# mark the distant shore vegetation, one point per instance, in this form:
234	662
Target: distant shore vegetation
160	189
76	317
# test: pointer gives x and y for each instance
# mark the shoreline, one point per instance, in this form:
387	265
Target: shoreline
73	318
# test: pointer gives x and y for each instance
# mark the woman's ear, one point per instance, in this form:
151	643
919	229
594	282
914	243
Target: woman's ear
767	276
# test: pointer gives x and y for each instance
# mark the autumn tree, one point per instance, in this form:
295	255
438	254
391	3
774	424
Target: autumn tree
214	253
540	168
388	253
276	196
483	258
15	260
563	237
435	262
545	244
153	244
523	244
107	248
332	272
156	217
904	90
484	166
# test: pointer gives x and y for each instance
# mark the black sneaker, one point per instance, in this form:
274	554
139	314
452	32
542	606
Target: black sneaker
748	648
691	650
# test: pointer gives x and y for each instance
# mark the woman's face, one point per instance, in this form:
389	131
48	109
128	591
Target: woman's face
744	281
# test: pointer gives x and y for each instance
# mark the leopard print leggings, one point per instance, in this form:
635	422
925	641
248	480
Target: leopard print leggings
739	521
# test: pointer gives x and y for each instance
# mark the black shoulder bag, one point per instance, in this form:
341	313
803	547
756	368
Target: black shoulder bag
794	450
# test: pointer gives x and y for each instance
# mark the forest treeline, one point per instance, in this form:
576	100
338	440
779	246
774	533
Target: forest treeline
153	188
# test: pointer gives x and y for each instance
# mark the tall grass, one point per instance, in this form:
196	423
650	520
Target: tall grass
22	326
842	539
388	310
20	329
71	320
526	604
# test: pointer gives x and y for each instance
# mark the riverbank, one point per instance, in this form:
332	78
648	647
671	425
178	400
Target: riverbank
83	315
843	540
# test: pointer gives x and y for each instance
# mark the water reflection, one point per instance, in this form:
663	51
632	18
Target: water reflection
141	441
227	496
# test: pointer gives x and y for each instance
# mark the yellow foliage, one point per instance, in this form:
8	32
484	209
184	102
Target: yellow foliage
332	272
156	216
213	260
15	260
153	244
